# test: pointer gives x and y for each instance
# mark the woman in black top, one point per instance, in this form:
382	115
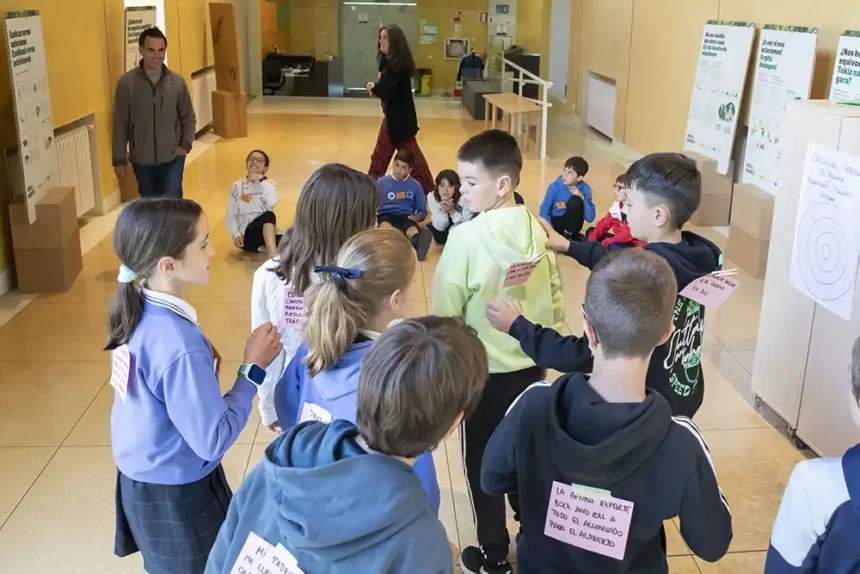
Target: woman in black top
400	126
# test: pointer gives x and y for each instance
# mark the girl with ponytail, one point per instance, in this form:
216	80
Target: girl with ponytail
170	425
364	290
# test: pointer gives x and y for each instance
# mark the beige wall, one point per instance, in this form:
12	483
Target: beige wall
650	48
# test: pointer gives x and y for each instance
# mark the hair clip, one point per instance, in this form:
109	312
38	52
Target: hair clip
340	274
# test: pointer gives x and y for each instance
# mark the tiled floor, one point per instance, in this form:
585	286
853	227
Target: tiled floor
56	471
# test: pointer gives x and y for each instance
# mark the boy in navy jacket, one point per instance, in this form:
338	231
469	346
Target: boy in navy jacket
339	498
403	204
818	524
583	446
663	192
568	200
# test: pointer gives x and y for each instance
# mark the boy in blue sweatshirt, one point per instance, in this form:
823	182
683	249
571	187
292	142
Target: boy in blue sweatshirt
663	192
403	204
568	200
339	498
818	524
599	462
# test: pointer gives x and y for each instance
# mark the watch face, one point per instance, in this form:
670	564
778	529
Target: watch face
257	374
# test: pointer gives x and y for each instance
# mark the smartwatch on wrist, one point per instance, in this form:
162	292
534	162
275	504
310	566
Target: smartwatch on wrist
253	373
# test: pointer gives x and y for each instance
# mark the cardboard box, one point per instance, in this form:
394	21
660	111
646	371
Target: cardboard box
56	221
747	252
225	44
713	183
230	114
752	210
714	210
51	270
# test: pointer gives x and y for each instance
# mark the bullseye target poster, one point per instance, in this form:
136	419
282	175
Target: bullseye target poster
827	230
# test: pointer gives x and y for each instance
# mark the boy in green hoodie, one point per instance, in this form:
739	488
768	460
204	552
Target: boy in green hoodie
501	253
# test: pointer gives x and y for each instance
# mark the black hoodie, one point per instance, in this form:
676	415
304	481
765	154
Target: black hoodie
675	371
566	432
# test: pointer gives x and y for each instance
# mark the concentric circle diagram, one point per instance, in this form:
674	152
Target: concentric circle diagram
827	252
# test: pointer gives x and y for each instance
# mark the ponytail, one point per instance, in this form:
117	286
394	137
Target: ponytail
126	311
370	268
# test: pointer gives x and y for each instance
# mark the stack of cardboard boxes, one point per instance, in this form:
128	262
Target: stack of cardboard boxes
716	205
749	235
48	252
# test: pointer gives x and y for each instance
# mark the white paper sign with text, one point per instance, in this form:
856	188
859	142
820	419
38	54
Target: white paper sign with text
259	557
845	85
120	370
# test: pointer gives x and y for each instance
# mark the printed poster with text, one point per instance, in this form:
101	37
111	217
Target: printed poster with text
31	99
137	19
786	61
720	78
846	71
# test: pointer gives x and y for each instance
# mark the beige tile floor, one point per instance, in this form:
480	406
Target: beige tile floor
56	471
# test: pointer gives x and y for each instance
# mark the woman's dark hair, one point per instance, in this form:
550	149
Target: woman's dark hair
399	55
146	231
154	32
336	203
452	178
261	152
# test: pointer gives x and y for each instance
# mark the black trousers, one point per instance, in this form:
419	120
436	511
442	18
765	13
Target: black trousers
571	221
254	232
501	390
439	236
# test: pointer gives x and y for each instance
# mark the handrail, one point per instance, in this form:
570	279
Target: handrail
544	95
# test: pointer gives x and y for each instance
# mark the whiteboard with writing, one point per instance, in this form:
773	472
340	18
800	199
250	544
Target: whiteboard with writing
31	100
845	85
827	230
786	61
137	19
724	57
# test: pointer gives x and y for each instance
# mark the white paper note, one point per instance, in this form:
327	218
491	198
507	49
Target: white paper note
120	371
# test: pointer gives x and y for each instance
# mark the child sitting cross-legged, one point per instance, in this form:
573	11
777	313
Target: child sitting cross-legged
446	209
342	498
612	231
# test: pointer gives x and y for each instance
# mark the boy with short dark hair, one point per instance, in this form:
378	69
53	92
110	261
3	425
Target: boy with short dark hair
818	523
403	204
501	253
599	462
568	201
663	192
339	498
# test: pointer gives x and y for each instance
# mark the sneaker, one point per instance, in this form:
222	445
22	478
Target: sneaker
474	561
422	246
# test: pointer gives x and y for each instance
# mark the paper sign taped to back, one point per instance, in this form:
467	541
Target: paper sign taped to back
711	291
257	555
312	412
597	523
295	314
518	273
120	370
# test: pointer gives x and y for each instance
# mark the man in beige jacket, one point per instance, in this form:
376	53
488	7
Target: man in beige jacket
153	122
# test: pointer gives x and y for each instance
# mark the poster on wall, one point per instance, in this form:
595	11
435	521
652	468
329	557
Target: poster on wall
716	101
827	230
846	71
31	100
137	19
456	48
786	62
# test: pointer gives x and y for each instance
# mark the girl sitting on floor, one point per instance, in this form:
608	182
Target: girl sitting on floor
250	220
445	208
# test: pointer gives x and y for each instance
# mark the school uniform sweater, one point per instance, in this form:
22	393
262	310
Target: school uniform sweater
818	523
614	222
333	395
472	271
401	197
174	425
676	367
555	200
441	220
637	452
247	201
273	300
335	507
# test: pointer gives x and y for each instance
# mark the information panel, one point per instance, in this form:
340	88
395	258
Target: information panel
786	61
846	71
137	19
720	78
31	98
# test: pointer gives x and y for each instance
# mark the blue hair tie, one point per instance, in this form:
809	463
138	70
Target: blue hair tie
339	274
